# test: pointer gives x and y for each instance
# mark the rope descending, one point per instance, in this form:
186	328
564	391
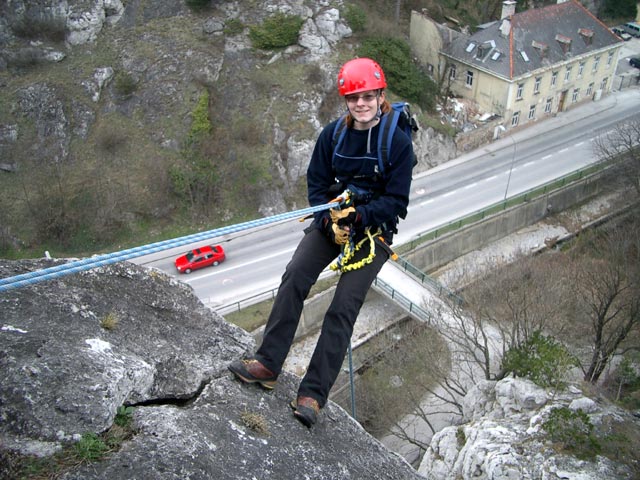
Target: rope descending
76	266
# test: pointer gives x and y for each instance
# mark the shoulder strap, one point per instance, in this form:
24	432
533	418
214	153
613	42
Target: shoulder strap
339	132
388	124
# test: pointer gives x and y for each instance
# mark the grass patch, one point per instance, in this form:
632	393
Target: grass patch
255	422
90	448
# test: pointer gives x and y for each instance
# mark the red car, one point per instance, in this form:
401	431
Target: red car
200	258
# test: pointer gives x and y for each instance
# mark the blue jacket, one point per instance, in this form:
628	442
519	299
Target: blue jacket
356	164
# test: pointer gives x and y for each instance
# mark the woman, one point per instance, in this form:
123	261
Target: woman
369	218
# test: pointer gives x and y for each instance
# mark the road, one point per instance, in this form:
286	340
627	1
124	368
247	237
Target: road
517	162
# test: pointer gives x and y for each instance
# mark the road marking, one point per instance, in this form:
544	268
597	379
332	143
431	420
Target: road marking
528	163
470	185
546	157
448	194
578	144
235	266
426	202
563	150
490	178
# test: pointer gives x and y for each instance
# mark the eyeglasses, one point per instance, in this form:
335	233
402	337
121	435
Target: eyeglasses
367	98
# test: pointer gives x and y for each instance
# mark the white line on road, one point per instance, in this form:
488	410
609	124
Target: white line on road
546	157
471	185
235	266
563	150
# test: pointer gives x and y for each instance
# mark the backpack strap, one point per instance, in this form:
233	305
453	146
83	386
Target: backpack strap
388	124
339	132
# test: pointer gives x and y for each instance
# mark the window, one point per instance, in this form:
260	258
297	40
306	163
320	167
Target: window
596	63
515	119
567	74
574	96
469	78
532	112
547	106
452	72
580	69
590	89
603	84
430	69
610	59
554	79
519	91
536	85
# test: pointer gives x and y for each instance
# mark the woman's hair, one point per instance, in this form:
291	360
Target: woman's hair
385	106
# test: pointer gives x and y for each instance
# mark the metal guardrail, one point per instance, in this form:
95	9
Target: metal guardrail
402	301
429	282
502	205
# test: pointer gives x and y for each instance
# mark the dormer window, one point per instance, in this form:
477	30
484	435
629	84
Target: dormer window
565	43
587	35
485	49
470	47
541	48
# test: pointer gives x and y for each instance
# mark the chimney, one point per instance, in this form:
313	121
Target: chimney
508	8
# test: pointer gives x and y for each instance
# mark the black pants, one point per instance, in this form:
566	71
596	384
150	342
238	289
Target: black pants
312	256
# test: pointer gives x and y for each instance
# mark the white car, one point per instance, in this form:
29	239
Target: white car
619	31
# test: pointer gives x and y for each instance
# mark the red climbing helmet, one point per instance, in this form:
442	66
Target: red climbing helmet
360	75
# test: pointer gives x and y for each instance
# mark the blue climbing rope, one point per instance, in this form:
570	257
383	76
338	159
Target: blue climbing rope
76	266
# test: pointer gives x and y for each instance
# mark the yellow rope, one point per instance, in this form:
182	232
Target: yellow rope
342	262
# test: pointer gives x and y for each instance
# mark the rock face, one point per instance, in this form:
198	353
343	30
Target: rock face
74	349
501	437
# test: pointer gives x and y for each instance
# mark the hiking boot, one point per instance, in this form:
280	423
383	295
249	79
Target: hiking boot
306	410
252	371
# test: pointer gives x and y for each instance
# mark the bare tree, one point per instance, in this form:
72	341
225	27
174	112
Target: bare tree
608	286
620	147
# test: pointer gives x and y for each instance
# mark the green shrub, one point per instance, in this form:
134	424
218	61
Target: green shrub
90	447
124	416
34	28
197	4
125	84
233	26
540	359
201	121
402	74
572	432
278	31
355	17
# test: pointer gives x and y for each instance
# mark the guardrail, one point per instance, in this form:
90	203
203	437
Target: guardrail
402	301
502	205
